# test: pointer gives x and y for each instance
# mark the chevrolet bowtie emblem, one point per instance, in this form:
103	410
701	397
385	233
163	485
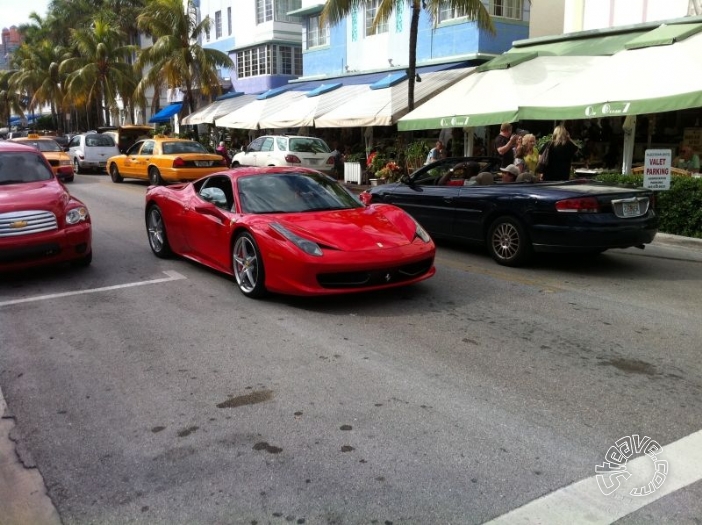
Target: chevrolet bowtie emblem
18	224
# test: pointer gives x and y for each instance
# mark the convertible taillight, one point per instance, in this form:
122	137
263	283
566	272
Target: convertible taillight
578	205
178	163
293	159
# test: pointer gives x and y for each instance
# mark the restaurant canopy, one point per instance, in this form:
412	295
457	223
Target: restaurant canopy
220	107
656	72
494	95
313	105
385	101
263	106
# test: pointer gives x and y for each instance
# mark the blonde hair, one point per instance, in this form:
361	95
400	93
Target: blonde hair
560	136
528	138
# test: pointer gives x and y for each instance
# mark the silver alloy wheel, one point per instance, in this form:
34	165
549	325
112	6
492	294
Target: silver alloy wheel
245	264
506	240
157	233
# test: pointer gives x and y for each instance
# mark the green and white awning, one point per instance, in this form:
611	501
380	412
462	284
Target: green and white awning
665	75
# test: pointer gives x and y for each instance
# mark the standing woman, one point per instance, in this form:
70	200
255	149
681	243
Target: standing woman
560	156
531	154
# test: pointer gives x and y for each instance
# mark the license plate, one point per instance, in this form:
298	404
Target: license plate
313	161
631	209
202	163
103	164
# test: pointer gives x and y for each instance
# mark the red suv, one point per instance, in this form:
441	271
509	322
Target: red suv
40	222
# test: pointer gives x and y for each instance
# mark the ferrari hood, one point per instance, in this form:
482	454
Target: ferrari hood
357	229
46	195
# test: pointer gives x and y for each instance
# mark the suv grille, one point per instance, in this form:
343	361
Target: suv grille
26	222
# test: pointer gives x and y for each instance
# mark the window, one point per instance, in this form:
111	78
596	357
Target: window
229	20
449	13
371	11
282	7
269	60
506	9
218	24
264	11
317	34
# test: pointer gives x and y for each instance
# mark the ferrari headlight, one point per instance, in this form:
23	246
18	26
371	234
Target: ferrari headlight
309	247
76	215
421	233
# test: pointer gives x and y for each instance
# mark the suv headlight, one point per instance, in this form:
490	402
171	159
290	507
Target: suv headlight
307	246
76	215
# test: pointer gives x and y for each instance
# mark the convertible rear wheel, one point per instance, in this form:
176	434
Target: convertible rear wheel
248	266
155	176
156	229
508	243
114	173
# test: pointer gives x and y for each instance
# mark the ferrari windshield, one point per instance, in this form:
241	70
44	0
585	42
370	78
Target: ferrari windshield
293	193
16	167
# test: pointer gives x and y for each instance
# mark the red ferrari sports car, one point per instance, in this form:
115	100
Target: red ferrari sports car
288	230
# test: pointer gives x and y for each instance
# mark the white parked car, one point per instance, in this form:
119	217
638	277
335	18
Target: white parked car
287	150
90	151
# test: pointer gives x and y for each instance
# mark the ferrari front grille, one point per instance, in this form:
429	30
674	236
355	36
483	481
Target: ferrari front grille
26	222
374	277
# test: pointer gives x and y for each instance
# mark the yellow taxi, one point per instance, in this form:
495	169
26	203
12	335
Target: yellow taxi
162	160
59	159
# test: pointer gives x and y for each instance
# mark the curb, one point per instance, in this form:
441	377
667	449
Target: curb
678	240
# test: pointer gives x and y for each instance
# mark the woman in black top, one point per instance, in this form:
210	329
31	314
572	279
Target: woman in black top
561	152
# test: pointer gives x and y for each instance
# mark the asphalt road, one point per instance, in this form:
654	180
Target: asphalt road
160	394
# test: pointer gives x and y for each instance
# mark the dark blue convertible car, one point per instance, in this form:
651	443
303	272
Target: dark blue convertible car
516	219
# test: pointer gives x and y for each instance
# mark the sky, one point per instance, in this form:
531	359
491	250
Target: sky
16	12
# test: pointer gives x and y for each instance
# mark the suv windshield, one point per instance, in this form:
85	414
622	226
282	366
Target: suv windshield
16	167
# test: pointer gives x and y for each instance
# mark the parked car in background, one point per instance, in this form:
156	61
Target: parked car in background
125	136
164	159
287	150
40	222
58	159
516	219
90	151
288	230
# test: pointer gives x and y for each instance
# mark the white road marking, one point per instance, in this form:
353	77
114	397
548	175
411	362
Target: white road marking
172	276
582	502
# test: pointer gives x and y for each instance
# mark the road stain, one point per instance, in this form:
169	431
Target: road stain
632	366
187	431
253	398
345	427
157	429
262	445
347	448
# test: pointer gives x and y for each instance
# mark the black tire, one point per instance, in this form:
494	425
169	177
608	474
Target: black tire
155	176
76	167
70	179
84	262
247	266
508	242
156	231
114	174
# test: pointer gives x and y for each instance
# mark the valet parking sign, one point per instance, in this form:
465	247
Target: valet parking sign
657	169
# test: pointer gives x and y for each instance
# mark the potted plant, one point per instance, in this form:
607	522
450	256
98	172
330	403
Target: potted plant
354	165
416	154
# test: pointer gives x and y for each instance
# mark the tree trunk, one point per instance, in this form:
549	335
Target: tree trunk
414	30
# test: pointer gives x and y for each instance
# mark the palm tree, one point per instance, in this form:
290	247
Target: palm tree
10	97
336	10
177	60
100	71
39	75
